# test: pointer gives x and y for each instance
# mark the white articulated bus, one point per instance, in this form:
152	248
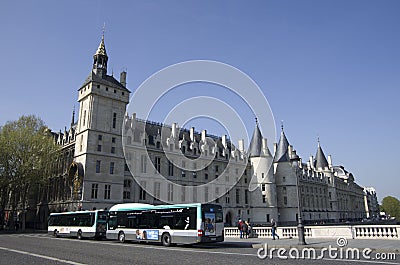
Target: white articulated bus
168	224
89	224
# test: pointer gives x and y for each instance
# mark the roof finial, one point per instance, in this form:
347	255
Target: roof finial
104	30
318	140
256	120
282	124
73	116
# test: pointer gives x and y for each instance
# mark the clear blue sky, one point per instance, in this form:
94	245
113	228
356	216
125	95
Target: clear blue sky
328	68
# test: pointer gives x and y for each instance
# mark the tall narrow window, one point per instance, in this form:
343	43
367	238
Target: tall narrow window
157	190
107	192
84	118
206	193
183	194
227	197
237	196
142	192
170	168
98	166
143	164
170	192
194	195
81	145
127	183
126	194
111	168
246	197
158	164
114	121
217	195
95	188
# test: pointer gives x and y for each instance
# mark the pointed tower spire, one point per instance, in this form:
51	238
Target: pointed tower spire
320	159
73	116
100	58
255	148
281	154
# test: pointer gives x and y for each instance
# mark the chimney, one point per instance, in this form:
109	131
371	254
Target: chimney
241	145
224	141
203	135
173	131
329	161
192	134
290	150
122	78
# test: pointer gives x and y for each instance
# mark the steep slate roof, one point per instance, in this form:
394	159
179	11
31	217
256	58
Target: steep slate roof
255	148
103	79
281	154
320	159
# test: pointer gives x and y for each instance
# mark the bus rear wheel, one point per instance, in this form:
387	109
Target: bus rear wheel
121	237
79	235
55	233
166	239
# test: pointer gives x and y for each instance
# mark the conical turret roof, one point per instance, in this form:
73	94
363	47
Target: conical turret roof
281	154
320	159
255	148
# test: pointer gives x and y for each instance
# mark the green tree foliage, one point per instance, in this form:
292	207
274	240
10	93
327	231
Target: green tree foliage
391	206
26	152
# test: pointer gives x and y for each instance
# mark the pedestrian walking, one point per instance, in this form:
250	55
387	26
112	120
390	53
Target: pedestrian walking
240	227
274	227
249	230
245	229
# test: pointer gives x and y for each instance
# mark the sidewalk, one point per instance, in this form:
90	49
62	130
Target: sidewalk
379	245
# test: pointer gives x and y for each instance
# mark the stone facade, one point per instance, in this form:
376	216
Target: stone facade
166	164
371	203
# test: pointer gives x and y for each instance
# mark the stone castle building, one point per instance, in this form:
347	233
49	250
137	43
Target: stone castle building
256	184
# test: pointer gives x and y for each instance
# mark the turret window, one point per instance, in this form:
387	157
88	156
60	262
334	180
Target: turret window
111	168
98	166
114	121
84	118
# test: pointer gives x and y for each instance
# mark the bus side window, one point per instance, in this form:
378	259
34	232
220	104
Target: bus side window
112	222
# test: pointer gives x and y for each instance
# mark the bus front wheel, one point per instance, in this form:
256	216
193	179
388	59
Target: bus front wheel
121	237
55	233
166	239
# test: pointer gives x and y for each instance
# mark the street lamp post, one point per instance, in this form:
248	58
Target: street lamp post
300	225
